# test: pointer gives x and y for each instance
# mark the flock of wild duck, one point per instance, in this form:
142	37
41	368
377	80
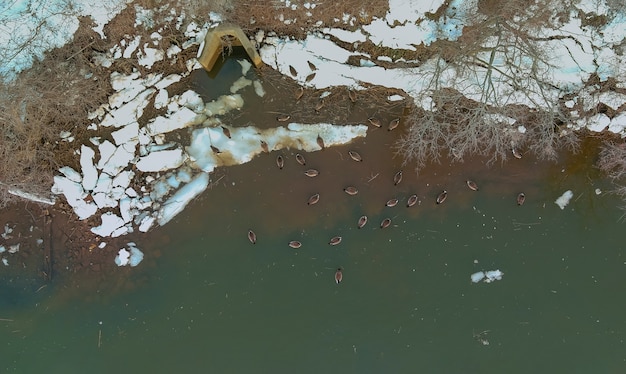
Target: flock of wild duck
351	190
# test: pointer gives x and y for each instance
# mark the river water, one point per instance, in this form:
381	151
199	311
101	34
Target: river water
207	300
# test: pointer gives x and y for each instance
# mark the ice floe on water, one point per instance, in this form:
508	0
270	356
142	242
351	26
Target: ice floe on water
487	276
130	255
564	199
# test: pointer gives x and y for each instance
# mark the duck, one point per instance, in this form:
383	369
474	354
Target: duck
335	240
293	71
295	244
314	199
215	150
472	185
352	95
362	222
442	197
299	93
397	178
283	118
411	201
300	159
319	105
374	121
338	276
355	156
226	132
280	162
521	197
312	173
311	65
393	124
320	141
385	223
252	236
309	77
351	190
265	147
391	202
516	153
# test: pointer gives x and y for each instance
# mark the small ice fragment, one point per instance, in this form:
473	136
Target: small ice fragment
39	241
493	275
102	245
135	256
2	248
477	277
122	257
5	261
598	191
14	248
564	199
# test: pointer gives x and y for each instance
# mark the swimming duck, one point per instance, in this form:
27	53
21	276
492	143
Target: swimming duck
334	241
338	276
397	178
442	197
309	77
385	223
352	95
411	201
320	141
351	190
300	159
265	147
311	66
314	199
521	198
319	105
252	236
280	162
283	118
312	173
472	185
299	92
295	244
393	124
226	132
516	153
392	202
293	71
362	222
355	156
215	149
374	122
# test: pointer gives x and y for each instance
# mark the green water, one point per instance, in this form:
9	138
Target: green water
213	302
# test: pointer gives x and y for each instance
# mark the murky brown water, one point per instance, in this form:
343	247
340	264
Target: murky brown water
206	299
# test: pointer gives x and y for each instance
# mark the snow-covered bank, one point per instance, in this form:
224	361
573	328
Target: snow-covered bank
134	176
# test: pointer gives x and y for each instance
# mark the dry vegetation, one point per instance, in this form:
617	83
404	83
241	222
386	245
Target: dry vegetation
499	41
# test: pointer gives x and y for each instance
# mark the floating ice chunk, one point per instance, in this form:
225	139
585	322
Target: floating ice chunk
223	105
7	230
120	158
148	56
120	81
564	199
160	100
5	261
71	174
173	51
14	248
2	249
132	47
395	98
162	160
245	66
146	223
191	100
240	83
122	257
110	223
90	173
493	275
258	88
598	122
180	119
135	255
104	200
477	277
170	79
106	149
182	197
126	134
125	210
128	112
39	241
121	231
123	179
74	194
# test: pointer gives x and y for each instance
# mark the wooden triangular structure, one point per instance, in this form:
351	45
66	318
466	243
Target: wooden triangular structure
214	45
